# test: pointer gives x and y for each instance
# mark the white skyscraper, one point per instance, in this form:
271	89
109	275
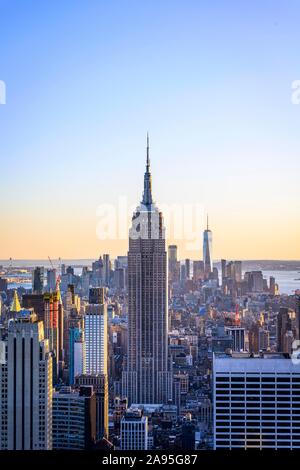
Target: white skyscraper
25	386
256	401
95	334
134	431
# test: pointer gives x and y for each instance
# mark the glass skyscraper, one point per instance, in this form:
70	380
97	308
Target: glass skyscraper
207	251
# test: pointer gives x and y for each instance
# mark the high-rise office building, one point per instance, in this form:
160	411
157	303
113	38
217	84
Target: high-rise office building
25	386
256	401
215	276
134	430
72	319
106	270
173	264
120	278
207	251
98	272
238	336
120	407
284	328
3	284
188	268
273	286
297	296
74	418
259	338
85	280
188	435
35	301
172	253
183	273
198	270
223	270
238	271
76	352
95	333
54	328
49	309
147	379
121	262
255	281
51	322
96	295
99	383
70	270
51	279
233	270
38	280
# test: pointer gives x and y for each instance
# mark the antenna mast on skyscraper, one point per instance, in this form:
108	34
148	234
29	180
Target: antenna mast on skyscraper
148	158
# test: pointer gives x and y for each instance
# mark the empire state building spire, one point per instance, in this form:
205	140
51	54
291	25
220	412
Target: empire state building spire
148	158
147	195
147	377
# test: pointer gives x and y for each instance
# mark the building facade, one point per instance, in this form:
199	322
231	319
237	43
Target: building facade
74	418
26	386
256	401
238	336
100	386
134	430
147	379
207	251
95	334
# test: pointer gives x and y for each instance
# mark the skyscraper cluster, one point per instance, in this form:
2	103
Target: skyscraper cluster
149	351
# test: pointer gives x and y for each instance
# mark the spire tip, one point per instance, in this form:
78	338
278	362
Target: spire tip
148	158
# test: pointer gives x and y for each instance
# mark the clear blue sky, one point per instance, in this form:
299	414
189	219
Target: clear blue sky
210	80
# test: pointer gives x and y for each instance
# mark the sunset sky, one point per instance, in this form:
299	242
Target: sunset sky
210	80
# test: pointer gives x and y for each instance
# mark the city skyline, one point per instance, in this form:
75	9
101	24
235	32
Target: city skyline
149	243
224	131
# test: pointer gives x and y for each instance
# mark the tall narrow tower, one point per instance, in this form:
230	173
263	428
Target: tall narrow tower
95	332
25	385
207	251
146	379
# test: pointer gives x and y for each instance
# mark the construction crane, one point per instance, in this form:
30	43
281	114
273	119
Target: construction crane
50	262
57	282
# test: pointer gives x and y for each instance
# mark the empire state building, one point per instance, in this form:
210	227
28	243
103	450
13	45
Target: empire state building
146	378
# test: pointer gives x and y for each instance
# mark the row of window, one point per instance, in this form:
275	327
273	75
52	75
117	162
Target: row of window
258	379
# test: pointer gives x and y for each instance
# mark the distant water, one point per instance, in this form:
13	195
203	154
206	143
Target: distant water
76	263
287	279
25	263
